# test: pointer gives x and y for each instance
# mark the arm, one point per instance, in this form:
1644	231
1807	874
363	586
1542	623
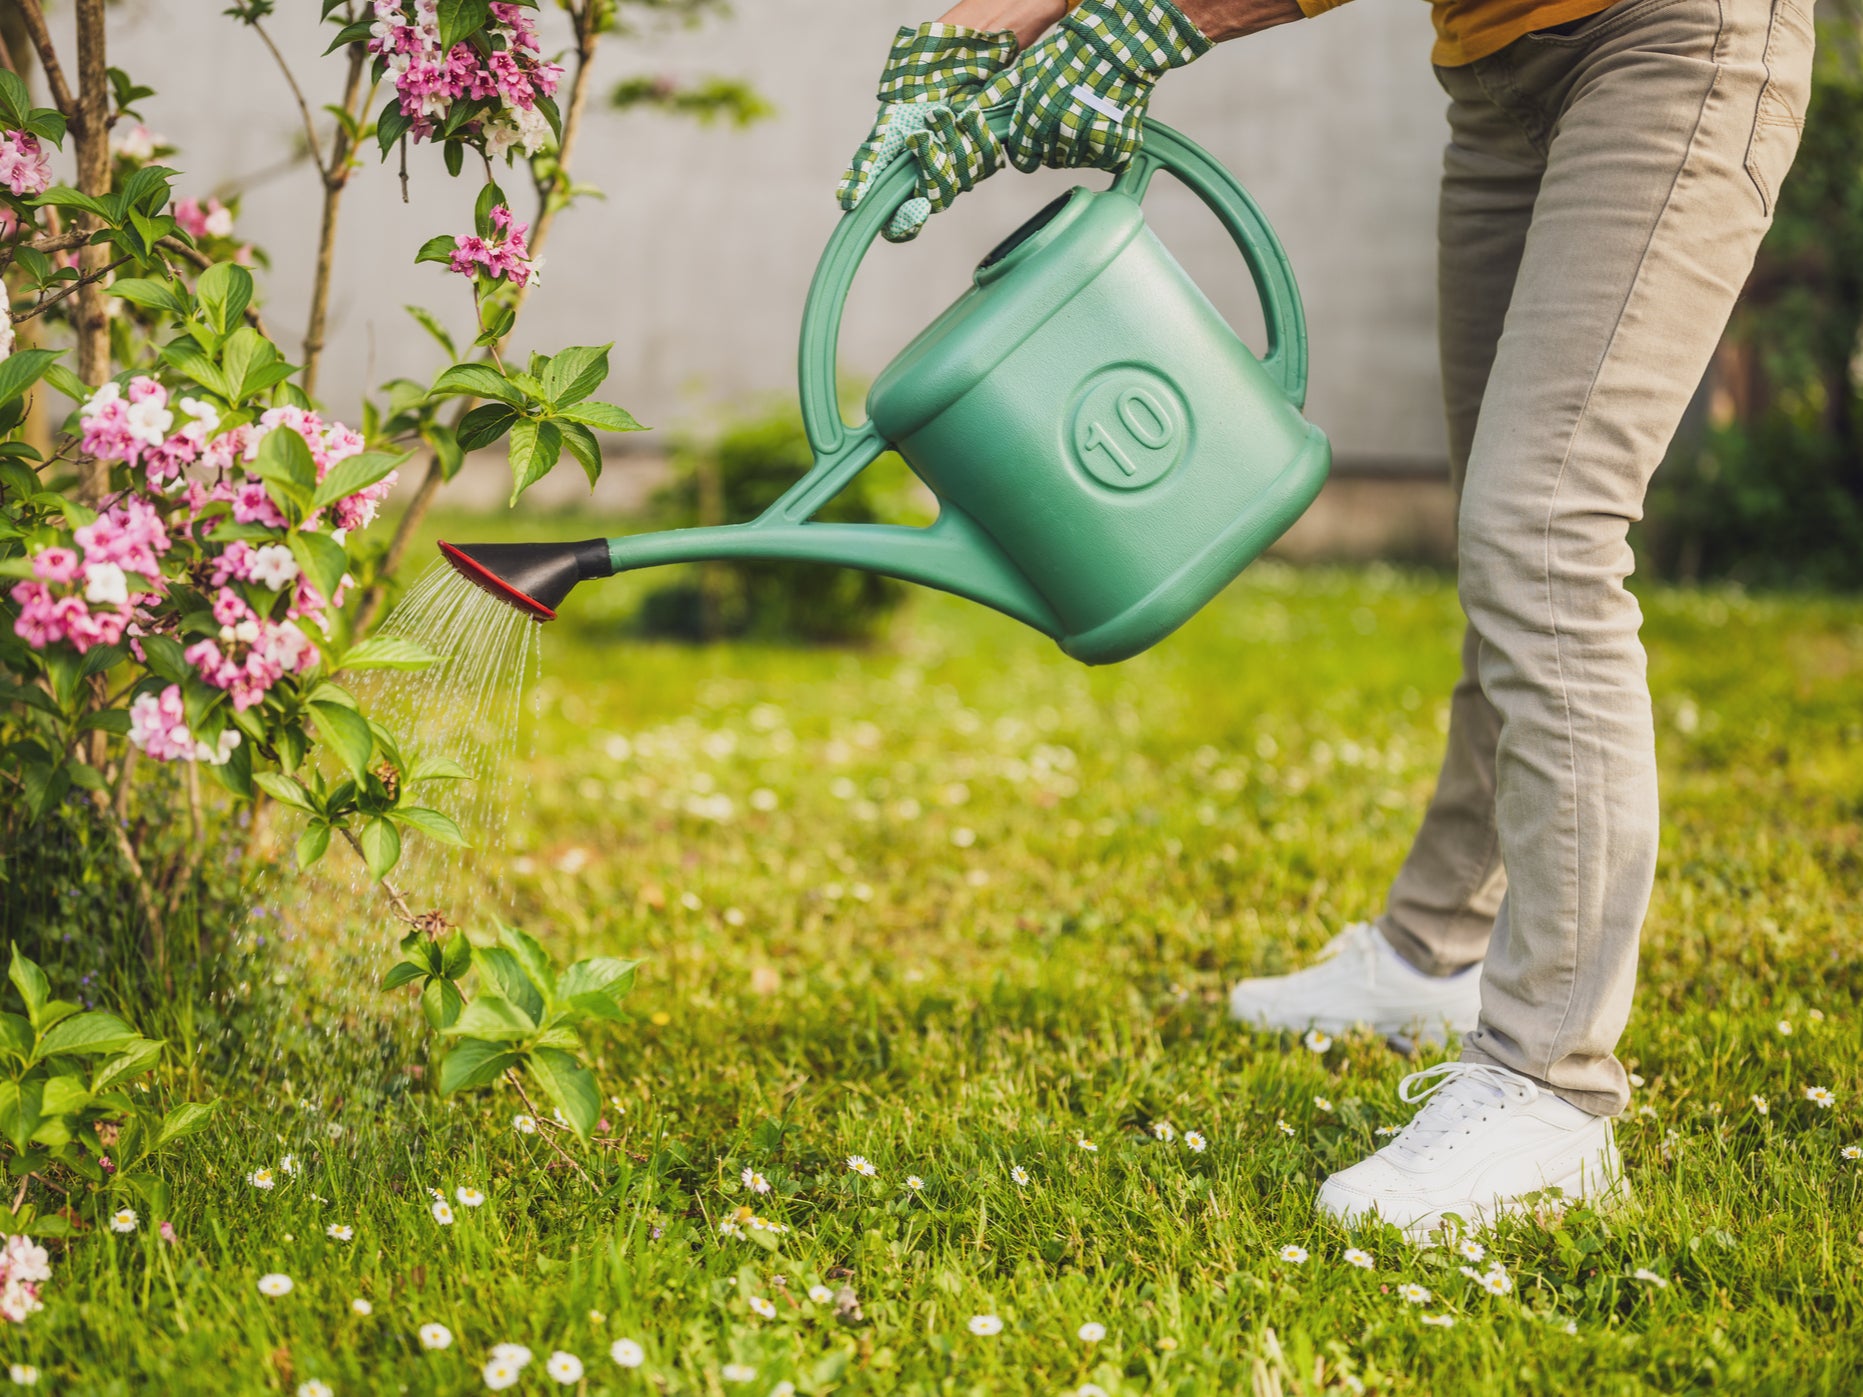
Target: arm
1219	19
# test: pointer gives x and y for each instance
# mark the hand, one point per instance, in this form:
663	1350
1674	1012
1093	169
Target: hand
1081	94
928	112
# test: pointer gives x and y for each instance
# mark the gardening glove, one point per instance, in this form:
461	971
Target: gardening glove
1080	94
928	112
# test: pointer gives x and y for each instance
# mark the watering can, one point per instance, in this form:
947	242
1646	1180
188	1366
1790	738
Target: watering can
1106	453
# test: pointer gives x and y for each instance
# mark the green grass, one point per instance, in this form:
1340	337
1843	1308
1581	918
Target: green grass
994	909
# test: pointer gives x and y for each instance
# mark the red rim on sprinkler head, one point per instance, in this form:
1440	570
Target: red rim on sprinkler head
533	577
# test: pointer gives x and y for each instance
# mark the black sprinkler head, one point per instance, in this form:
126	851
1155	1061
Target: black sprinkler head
534	577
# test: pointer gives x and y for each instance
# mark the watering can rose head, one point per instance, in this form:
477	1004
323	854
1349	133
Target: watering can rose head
1106	452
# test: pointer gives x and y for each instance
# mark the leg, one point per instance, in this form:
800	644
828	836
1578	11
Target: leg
1646	226
1443	903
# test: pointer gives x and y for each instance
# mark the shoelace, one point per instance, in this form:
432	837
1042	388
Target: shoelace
1454	1095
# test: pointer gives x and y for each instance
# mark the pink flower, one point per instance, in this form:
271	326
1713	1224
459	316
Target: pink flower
506	257
55	565
167	1229
24	168
158	726
213	220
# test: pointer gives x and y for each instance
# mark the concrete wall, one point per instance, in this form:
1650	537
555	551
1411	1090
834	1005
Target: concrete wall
697	263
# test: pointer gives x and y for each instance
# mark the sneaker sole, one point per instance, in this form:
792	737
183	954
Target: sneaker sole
1614	1196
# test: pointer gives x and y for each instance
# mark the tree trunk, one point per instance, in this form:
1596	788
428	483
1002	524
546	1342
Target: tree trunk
91	135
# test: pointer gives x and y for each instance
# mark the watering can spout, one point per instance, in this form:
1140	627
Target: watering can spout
533	577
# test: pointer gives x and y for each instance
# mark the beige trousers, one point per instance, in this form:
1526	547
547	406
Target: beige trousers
1605	188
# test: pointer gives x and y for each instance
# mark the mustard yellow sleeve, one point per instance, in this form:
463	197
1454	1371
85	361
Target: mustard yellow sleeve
1319	7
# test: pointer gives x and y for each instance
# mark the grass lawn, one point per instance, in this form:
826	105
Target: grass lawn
956	905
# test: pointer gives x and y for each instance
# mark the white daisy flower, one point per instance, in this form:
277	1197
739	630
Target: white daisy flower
785	1388
443	1212
627	1353
596	1317
1571	1326
1820	1098
763	1307
1643	1274
566	1368
359	1306
1293	1255
339	1232
1759	1104
1852	1152
524	1125
289	1164
861	1165
515	1354
914	1182
274	1284
23	1374
435	1336
1352	1256
1020	1175
754	1181
1164	1130
1317	1042
1414	1293
1091	1332
1785	1026
1440	1321
738	1372
1320	1103
1284	1127
499	1374
316	1387
1084	1143
1194	1141
123	1220
985	1325
1388	1130
261	1178
1471	1249
470	1197
1495	1282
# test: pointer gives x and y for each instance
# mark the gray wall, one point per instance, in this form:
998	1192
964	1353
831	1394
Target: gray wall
697	263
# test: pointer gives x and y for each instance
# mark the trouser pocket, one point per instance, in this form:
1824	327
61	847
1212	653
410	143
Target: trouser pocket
1779	118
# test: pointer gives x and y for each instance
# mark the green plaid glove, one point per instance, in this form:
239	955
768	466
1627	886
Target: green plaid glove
1080	94
928	112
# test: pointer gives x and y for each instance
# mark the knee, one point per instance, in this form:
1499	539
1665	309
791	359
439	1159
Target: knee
1524	556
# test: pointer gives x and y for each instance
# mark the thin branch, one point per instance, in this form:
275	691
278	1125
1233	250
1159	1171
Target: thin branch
402	910
45	303
34	18
517	1084
310	126
145	895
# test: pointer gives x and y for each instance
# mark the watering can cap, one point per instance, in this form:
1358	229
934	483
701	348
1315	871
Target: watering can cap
1024	281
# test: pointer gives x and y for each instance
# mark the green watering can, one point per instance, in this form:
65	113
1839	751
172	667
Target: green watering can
1106	453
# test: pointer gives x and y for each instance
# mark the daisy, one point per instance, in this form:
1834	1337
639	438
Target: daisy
23	1374
1387	1130
564	1367
861	1165
1020	1175
914	1182
766	1308
784	1388
1284	1127
754	1181
627	1353
443	1212
360	1306
1317	1042
470	1197
1642	1274
524	1125
123	1220
435	1336
261	1178
1091	1332
1164	1130
1352	1256
737	1372
1414	1293
596	1317
1820	1098
1496	1282
1320	1103
985	1325
289	1164
1571	1326
1084	1143
820	1294
1785	1026
1440	1321
515	1354
315	1388
1852	1152
337	1232
274	1284
1194	1142
499	1374
1293	1255
1759	1104
1471	1249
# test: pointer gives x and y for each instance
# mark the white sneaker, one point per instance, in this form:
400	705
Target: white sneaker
1361	982
1484	1138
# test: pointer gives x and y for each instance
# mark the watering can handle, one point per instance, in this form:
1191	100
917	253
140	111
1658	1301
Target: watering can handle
849	449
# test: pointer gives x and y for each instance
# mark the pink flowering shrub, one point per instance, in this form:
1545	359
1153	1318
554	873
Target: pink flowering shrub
24	168
24	1267
503	256
499	90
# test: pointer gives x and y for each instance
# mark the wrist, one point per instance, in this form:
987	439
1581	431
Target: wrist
1027	19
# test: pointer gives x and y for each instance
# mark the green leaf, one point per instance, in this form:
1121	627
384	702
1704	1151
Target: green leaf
15	1036
61	196
93	1032
575	373
402	973
186	1119
604	417
187	356
583	446
15	100
354	473
283	789
458	18
151	294
502	968
427	319
484	425
441	1003
313	844
322	559
456	959
285	461
599	975
475	1062
357	33
381	847
31	983
137	1057
535	448
490	197
391	126
439	248
348	733
437	769
430	823
64	1095
478	381
224	291
571	1086
490	1016
68	383
19	1111
23	368
535	960
389	652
